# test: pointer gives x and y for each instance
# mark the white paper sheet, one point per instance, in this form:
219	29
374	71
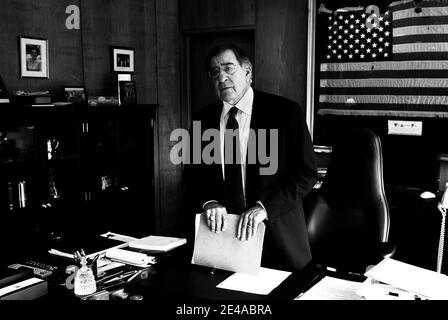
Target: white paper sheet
330	288
263	283
427	283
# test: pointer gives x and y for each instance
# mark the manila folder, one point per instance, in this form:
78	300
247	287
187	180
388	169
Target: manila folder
224	250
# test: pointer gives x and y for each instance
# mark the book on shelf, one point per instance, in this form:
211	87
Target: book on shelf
157	243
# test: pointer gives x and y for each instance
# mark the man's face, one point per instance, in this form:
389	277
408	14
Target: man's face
230	86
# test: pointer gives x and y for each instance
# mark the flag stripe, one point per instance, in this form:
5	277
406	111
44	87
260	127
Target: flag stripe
384	106
385	83
421	38
409	15
409	4
421	56
385	74
421	47
433	29
385	99
385	65
385	113
399	91
426	21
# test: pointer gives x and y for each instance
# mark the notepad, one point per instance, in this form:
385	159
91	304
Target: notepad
157	243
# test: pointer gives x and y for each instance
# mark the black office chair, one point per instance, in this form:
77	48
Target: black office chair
348	220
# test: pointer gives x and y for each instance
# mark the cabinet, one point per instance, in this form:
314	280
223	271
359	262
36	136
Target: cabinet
75	170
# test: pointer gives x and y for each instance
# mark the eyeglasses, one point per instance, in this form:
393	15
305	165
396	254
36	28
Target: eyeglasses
228	69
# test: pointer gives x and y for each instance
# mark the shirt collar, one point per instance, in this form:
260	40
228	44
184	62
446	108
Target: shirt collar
245	104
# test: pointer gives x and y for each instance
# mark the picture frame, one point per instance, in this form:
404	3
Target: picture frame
4	95
34	57
128	93
76	95
122	59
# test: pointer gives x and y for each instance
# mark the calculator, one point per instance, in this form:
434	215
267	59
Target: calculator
40	269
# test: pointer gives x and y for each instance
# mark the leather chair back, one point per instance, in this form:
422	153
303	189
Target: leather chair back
349	219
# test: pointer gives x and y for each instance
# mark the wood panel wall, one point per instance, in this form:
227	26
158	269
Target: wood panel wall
217	14
43	19
280	38
169	113
281	48
81	58
119	23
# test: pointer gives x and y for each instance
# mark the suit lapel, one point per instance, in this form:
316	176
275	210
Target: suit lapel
214	123
252	169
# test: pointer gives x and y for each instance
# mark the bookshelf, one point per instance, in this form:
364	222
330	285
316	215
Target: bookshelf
80	169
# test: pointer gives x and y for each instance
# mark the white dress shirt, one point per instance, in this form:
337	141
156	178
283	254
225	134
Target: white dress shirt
243	118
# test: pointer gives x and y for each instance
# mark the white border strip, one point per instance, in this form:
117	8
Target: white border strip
310	66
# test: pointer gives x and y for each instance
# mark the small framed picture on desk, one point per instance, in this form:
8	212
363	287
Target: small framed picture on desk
128	93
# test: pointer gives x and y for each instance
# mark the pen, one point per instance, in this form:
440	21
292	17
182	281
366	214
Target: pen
134	276
112	275
120	277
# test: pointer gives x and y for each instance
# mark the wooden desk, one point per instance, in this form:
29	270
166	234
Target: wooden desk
176	277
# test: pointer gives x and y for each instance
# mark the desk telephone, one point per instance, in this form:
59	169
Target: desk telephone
40	269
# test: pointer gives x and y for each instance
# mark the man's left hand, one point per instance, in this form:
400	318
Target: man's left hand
249	220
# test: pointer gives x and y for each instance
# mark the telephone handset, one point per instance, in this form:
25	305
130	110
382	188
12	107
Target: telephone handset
442	206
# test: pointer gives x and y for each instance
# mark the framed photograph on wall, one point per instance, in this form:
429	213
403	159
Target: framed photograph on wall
122	59
75	95
34	60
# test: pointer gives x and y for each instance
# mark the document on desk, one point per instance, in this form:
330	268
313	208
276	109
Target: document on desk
224	251
427	283
330	288
263	283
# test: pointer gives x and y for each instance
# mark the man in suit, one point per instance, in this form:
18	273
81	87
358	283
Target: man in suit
242	188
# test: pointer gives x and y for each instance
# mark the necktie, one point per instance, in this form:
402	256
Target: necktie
232	166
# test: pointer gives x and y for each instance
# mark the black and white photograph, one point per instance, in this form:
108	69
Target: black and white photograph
75	95
128	93
237	159
33	57
122	59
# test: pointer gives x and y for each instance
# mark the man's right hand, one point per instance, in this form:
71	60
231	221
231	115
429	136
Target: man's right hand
216	216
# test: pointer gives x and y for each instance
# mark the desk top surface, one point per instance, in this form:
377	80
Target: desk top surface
174	277
178	278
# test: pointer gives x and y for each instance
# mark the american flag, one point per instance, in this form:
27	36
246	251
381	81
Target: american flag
393	61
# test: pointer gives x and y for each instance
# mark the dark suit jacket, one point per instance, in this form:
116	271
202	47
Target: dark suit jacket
281	193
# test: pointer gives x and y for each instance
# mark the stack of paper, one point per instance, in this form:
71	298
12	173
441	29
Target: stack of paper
157	243
330	288
419	283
